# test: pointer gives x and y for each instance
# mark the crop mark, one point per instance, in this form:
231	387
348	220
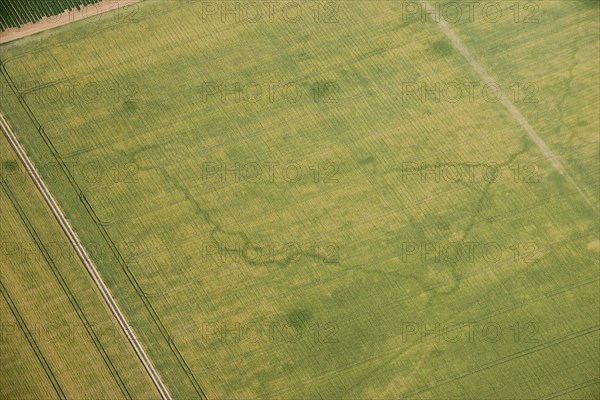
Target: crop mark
66	290
32	343
510	107
399	351
509	358
72	236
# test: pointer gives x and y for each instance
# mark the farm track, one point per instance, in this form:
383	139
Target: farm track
65	288
361	300
85	258
66	17
510	107
142	295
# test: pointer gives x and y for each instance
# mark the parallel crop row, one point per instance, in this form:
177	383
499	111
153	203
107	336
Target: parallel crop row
14	13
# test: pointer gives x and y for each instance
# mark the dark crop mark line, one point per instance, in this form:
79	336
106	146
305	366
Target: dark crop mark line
106	236
216	229
66	290
32	343
400	351
572	389
465	52
84	256
506	359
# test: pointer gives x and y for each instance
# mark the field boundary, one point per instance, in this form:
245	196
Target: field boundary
65	288
85	258
63	18
95	219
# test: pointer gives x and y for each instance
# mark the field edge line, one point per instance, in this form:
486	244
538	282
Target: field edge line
85	258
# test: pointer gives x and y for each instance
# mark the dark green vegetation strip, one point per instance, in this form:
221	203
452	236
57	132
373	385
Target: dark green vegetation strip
14	13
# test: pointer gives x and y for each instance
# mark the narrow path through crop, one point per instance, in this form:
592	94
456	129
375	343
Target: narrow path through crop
85	258
512	109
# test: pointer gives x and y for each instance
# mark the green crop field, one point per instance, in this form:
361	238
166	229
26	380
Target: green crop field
57	339
328	200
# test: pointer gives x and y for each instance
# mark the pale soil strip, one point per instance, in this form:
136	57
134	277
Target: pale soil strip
85	258
466	53
93	11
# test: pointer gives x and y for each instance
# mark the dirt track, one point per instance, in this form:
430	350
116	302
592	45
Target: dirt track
85	258
93	12
512	109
